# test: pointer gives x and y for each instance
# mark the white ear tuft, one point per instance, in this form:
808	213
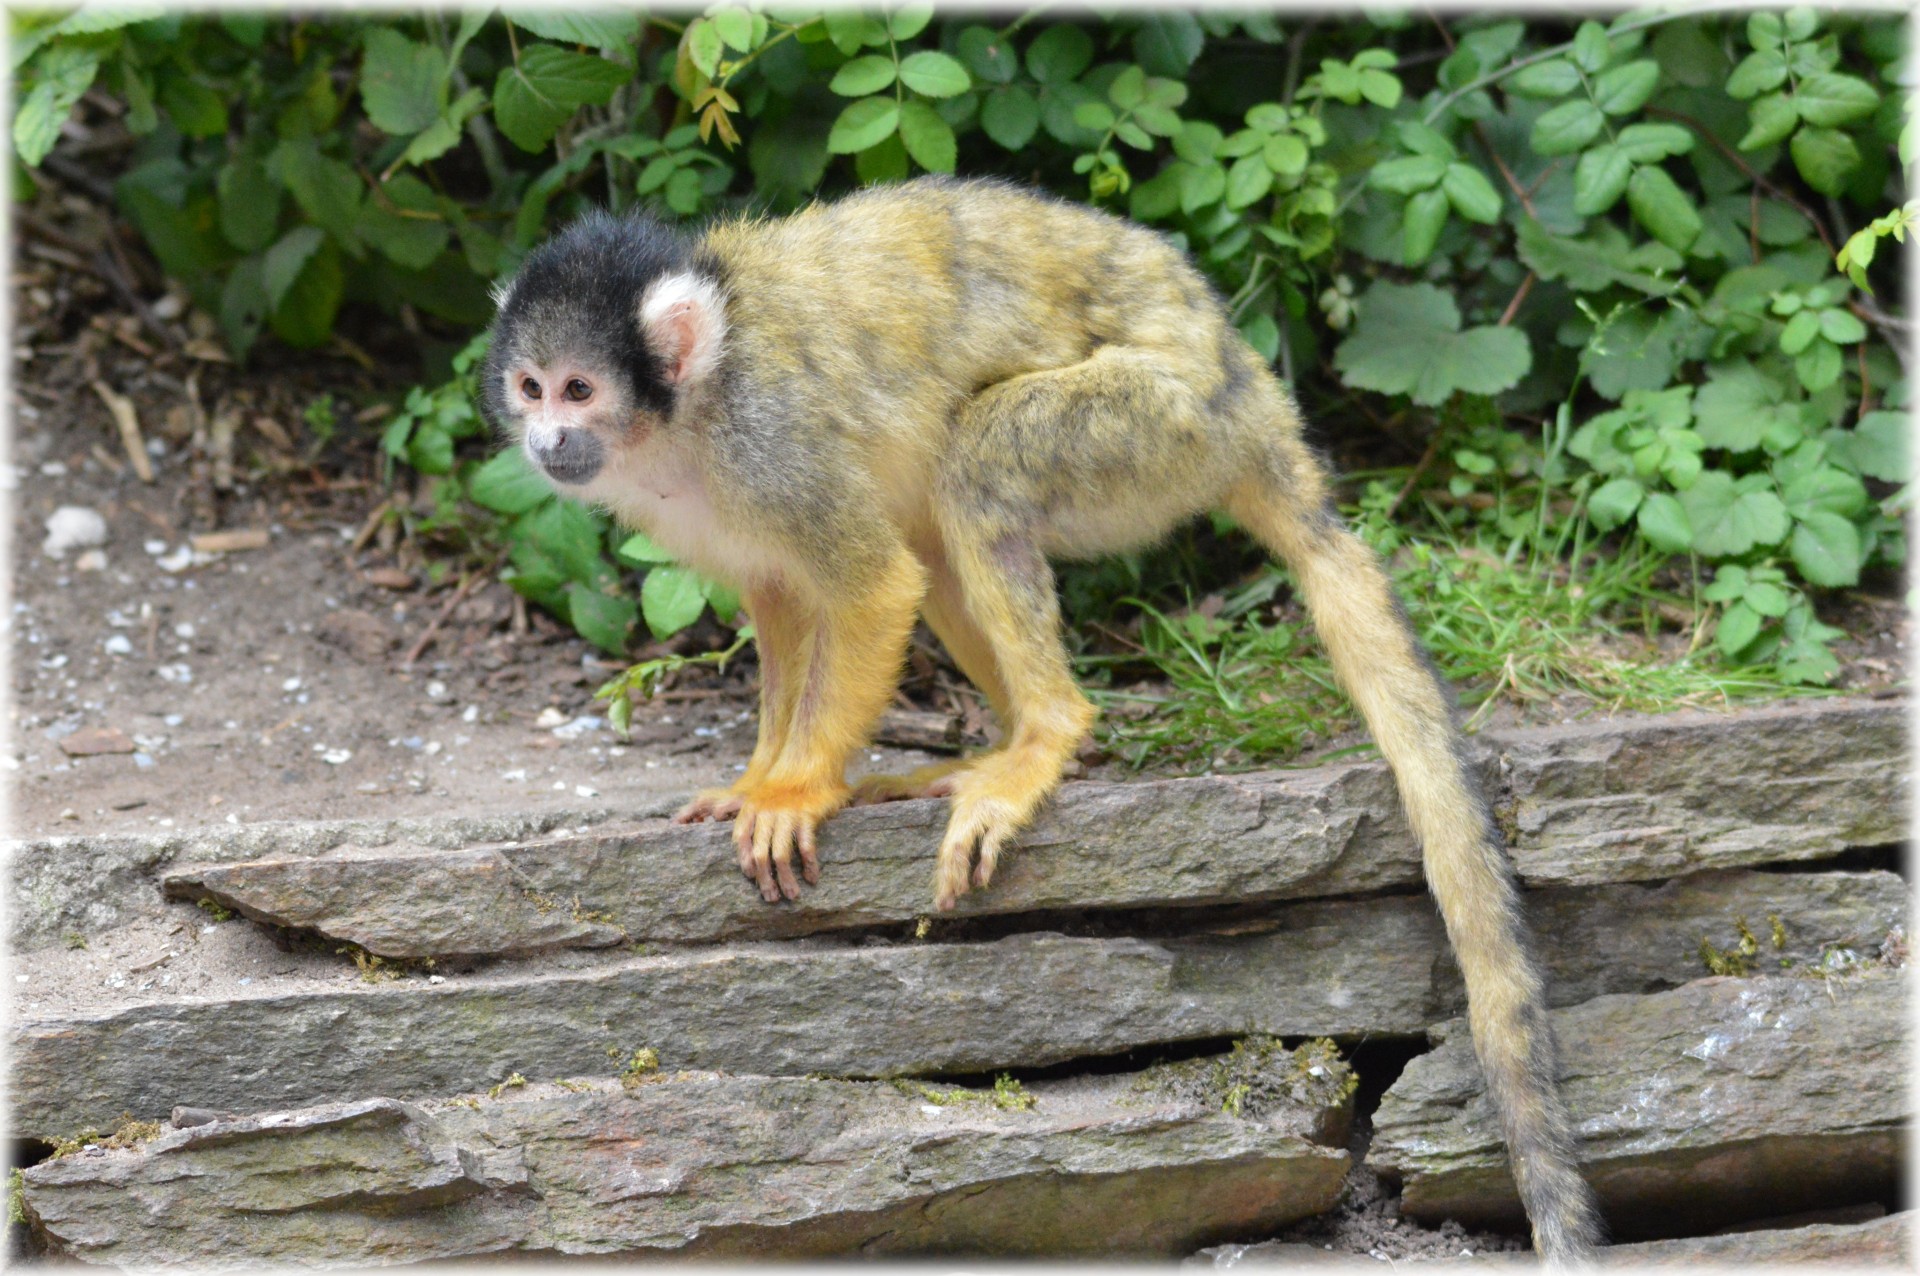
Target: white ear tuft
502	292
685	317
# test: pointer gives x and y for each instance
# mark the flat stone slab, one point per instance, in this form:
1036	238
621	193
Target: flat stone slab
1629	800
1351	968
1883	1242
711	1166
1725	1100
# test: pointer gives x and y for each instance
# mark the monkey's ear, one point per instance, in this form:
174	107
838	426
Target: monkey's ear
685	318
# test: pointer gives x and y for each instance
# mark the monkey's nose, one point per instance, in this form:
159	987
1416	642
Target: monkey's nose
568	456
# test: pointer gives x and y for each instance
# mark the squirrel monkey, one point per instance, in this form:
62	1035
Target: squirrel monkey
904	404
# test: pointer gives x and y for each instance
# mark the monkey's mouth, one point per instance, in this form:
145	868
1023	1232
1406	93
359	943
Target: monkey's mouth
572	457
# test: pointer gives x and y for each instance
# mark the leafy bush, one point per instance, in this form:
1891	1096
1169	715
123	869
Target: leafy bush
1632	263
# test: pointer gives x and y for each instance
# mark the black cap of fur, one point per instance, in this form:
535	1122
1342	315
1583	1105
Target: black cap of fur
579	294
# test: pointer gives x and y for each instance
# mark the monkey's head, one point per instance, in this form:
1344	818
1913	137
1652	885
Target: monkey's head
597	337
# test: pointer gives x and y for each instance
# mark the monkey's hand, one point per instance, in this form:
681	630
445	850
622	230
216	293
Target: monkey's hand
773	823
935	780
710	804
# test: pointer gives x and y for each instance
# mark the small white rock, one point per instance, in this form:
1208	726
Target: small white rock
433	747
92	560
471	714
178	561
119	645
183	630
155	547
334	757
291	684
436	690
550	718
175	673
585	791
73	527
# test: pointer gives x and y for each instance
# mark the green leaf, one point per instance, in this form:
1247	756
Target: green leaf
1097	116
1824	157
1567	128
249	203
1663	208
671	599
402	82
1739	626
1738	406
735	28
441	136
1841	327
1407	340
1157	198
1248	181
1728	521
1167	43
243	306
598	29
863	75
1556	77
1129	88
1163	121
1757	73
1826	549
640	550
988	56
1421	140
1766	31
1626	88
61	76
1614	502
1058	54
195	109
929	139
1201	185
934	75
1591	47
326	190
1651	143
507	484
533	99
1010	116
1426	216
602	620
1408	174
412	242
303	316
862	124
1800	331
1878	447
1830	98
1818	366
909	20
1600	179
789	152
1473	196
1771	119
1663	522
429	449
1599	260
286	259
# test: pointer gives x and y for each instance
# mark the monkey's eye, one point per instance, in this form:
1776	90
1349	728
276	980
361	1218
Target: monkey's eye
530	387
579	391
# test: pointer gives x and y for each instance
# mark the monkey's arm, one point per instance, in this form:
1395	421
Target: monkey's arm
780	636
853	627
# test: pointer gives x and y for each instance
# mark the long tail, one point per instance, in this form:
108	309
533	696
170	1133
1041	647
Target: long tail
1379	662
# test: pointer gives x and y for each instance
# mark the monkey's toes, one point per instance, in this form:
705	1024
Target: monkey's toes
767	841
708	804
976	834
874	789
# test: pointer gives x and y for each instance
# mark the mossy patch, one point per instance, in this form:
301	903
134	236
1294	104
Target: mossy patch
1007	1093
642	1069
1259	1075
129	1133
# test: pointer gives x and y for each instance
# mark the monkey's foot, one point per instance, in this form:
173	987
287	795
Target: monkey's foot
709	804
981	825
936	780
774	822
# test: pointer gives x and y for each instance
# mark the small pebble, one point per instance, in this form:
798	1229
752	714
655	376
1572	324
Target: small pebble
156	548
291	684
73	527
119	645
436	690
93	560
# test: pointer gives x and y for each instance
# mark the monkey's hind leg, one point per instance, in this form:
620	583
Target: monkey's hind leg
1378	661
945	612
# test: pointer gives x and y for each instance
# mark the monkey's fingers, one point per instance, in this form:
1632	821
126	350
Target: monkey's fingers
763	831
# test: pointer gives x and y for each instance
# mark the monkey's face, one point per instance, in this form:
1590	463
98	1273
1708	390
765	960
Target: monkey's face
569	412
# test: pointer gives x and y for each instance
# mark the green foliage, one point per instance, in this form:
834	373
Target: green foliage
1660	229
